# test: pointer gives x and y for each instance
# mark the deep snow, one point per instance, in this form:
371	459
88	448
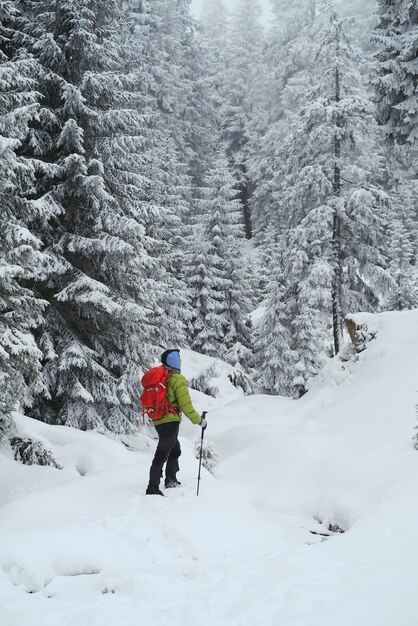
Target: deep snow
83	545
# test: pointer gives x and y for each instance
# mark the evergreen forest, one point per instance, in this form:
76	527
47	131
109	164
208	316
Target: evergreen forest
221	184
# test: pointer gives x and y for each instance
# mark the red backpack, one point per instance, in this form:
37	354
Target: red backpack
154	398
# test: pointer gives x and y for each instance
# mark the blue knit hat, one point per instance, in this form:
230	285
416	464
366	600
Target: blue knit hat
171	358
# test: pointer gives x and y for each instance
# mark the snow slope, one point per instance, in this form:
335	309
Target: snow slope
84	546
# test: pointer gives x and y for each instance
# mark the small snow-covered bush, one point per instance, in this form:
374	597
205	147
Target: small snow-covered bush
240	379
31	452
202	382
363	336
209	454
236	376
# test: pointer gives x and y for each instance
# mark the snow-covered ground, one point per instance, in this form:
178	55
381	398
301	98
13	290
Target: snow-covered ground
83	546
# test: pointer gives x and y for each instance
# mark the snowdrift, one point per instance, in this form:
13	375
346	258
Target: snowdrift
83	545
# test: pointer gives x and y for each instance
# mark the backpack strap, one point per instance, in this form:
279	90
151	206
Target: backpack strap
174	410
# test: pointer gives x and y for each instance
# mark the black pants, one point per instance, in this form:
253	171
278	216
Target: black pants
168	451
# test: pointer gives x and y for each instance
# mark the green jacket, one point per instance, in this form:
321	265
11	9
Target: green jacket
179	396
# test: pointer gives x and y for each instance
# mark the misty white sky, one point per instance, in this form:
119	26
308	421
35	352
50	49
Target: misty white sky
196	4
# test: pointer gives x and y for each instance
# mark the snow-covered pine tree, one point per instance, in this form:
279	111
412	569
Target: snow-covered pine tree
396	84
214	38
286	51
199	114
239	336
144	168
402	252
20	257
287	66
328	195
179	141
309	300
166	34
396	36
206	70
165	196
214	18
358	205
241	97
99	329
219	300
262	261
288	319
273	358
207	325
300	304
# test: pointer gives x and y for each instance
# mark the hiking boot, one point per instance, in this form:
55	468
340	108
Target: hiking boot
172	482
153	490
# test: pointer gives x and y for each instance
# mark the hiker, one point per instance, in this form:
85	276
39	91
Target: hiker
168	449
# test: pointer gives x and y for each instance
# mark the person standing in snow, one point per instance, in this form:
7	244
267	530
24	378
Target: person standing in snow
168	448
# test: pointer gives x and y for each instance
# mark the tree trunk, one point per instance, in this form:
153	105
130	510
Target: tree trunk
244	196
337	322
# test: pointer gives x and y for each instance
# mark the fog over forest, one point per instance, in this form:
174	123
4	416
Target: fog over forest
196	6
358	8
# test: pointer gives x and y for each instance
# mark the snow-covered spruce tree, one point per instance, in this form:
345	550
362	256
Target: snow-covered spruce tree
262	263
241	97
287	65
163	48
396	84
206	67
224	229
214	46
328	196
272	344
219	300
200	114
301	302
238	339
286	51
144	168
99	329
355	169
403	293
214	35
20	257
166	36
310	297
207	325
396	36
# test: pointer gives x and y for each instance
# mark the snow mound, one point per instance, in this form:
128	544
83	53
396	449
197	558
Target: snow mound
340	436
79	453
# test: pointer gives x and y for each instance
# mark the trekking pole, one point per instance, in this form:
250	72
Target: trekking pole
200	456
